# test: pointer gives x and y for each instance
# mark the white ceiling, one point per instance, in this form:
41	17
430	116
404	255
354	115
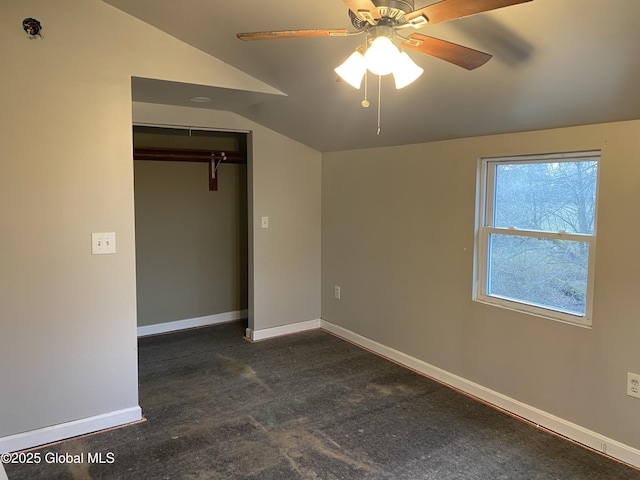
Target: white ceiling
556	63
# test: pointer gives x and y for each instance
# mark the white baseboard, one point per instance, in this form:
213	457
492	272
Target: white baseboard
538	417
54	433
178	325
265	333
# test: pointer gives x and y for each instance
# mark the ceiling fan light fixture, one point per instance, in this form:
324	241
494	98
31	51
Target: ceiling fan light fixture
406	71
353	69
382	56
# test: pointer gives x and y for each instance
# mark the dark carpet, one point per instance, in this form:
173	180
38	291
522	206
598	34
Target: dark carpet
308	406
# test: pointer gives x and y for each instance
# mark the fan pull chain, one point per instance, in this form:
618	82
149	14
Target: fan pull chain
365	102
379	97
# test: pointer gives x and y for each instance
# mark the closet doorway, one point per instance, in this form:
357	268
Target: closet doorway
191	227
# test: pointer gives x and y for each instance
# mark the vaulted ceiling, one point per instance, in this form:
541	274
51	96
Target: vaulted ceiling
555	63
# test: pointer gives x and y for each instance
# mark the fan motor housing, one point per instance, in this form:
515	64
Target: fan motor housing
394	8
391	11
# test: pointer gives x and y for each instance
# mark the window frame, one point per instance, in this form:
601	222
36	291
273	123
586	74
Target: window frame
485	206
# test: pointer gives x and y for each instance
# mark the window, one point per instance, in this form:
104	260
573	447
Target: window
536	234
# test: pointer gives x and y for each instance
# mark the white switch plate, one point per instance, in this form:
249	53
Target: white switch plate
265	222
337	292
103	243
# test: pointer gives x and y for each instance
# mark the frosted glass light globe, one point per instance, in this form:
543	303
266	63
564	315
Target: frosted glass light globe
382	56
406	71
353	69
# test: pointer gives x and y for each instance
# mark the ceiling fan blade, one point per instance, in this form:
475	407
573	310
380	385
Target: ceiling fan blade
275	34
364	10
464	57
451	9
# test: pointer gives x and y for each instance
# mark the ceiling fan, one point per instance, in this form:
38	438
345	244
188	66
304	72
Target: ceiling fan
382	21
386	18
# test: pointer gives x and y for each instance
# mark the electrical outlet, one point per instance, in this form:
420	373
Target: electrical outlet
337	292
633	385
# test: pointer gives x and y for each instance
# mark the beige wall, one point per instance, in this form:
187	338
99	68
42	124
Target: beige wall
398	237
191	244
68	319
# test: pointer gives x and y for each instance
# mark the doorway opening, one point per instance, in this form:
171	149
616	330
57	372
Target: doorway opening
191	227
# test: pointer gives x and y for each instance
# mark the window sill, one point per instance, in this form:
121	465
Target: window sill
576	321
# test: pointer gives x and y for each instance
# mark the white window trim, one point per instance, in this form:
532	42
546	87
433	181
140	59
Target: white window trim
484	212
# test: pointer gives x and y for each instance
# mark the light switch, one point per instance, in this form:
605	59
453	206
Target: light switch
265	222
103	243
